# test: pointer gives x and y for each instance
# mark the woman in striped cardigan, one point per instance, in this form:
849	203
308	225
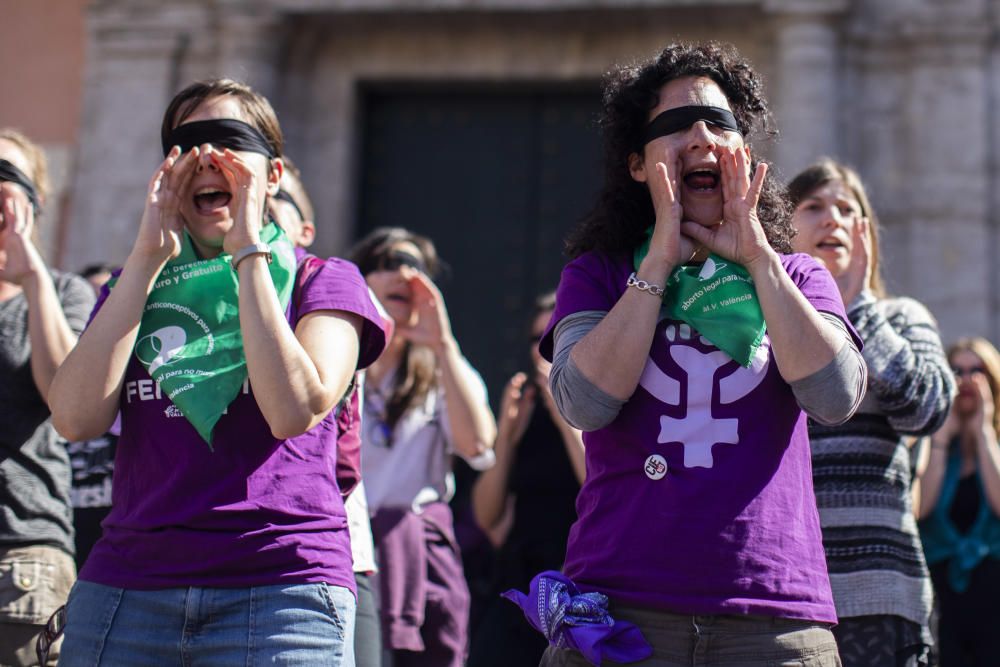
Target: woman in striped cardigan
861	469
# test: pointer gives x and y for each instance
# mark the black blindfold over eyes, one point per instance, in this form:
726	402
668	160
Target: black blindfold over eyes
227	132
11	174
284	196
391	261
681	118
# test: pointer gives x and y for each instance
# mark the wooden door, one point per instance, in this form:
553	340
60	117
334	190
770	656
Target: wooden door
496	178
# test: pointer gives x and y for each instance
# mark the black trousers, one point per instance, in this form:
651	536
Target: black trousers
968	622
367	628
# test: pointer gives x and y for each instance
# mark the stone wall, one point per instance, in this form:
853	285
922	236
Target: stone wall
905	90
42	52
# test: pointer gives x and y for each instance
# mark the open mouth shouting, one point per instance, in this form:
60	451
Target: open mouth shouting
211	200
702	180
397	297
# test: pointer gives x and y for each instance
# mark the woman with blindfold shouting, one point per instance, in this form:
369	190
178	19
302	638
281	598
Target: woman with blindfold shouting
689	347
227	540
41	314
423	404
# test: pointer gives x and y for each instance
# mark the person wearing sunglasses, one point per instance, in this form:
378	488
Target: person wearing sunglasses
959	509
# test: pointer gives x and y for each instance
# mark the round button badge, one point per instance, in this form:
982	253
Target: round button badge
656	467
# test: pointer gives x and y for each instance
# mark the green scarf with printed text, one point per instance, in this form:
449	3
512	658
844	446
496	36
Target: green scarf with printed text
189	339
717	299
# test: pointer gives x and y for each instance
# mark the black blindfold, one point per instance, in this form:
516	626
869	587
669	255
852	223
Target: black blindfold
227	132
681	118
391	261
284	196
11	174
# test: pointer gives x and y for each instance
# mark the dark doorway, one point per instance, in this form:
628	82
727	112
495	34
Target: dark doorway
496	178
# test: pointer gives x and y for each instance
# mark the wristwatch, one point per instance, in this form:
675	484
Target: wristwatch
252	249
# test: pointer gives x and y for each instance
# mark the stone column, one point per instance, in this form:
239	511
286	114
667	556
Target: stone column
325	141
248	43
922	140
808	83
993	161
951	265
132	53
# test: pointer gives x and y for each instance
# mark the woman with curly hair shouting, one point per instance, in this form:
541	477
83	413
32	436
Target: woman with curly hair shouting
689	346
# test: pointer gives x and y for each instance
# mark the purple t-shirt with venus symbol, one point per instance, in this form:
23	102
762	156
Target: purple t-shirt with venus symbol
699	495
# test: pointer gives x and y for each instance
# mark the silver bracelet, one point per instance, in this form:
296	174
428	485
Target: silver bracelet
252	249
643	286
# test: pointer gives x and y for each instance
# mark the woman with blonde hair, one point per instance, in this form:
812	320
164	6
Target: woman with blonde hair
41	314
960	509
861	469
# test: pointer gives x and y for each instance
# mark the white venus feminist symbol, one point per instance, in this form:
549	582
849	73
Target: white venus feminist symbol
699	430
166	342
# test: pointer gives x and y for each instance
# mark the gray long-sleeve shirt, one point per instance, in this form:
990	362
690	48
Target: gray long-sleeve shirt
830	396
34	470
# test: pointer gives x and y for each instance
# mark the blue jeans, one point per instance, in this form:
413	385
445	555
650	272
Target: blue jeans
299	624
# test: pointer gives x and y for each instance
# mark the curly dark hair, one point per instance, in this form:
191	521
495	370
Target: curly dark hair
624	209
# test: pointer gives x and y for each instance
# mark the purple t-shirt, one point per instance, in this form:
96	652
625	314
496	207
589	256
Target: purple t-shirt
699	495
256	511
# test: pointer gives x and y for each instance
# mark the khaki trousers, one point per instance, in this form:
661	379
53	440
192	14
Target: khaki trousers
34	582
703	641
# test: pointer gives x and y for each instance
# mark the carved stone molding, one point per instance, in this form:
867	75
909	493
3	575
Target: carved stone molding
541	6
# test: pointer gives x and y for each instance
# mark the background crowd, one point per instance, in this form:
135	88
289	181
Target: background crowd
320	518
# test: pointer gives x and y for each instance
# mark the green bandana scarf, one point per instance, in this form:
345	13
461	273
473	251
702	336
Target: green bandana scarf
189	338
717	299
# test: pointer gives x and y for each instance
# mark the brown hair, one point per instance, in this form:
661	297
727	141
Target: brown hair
257	109
38	170
827	170
419	363
987	354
